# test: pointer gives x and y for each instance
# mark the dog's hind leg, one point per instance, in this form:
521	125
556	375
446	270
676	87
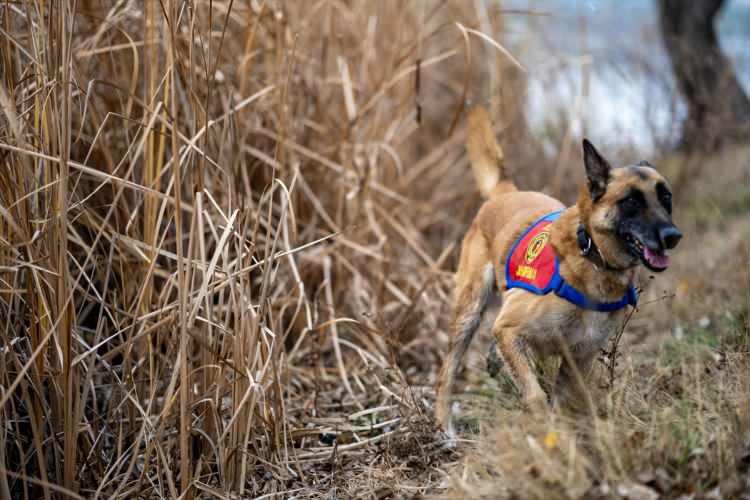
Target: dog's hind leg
471	301
494	361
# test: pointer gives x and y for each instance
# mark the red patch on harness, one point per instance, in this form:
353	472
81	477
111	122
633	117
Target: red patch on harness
533	258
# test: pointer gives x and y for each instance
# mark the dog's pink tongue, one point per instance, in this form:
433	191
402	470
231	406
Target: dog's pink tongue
658	260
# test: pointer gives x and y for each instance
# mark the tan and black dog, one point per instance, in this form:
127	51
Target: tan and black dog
623	218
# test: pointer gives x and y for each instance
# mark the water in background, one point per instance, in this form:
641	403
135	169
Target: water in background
602	62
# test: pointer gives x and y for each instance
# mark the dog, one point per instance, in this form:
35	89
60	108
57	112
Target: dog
564	275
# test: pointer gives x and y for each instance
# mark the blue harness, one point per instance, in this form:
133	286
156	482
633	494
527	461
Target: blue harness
557	284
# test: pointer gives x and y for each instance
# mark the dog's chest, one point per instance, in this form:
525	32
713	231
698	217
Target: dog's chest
578	329
593	328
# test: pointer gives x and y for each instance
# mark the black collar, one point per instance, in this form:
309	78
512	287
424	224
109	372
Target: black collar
590	251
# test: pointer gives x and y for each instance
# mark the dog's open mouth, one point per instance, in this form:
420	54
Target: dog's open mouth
656	260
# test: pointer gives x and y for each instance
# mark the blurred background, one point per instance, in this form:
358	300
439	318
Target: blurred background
605	63
228	231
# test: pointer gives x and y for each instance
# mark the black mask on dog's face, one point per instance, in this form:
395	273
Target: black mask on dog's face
629	212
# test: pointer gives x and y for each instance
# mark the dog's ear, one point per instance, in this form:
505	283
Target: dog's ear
597	170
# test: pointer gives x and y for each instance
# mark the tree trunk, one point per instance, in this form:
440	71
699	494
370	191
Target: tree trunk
718	110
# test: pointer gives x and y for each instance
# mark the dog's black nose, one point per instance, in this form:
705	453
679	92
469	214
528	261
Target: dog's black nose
670	236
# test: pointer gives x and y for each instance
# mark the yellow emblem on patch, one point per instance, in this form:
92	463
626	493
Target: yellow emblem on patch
536	245
526	272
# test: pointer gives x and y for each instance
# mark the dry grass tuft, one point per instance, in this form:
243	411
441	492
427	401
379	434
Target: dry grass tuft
225	227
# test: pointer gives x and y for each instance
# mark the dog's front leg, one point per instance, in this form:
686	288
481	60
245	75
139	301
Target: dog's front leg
571	391
515	354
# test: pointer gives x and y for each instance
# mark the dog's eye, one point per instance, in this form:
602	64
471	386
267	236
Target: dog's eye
666	201
634	201
665	198
631	202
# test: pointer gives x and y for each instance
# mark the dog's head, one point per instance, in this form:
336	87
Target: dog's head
628	212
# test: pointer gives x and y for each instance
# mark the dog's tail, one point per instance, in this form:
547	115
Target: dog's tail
486	156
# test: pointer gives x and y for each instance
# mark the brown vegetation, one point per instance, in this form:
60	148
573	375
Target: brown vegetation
227	236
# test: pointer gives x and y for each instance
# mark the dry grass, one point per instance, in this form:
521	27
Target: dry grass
227	231
218	248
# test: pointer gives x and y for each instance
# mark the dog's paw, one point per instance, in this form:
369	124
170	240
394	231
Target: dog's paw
451	440
570	404
451	437
537	405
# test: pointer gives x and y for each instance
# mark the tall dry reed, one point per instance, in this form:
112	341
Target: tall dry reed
225	227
